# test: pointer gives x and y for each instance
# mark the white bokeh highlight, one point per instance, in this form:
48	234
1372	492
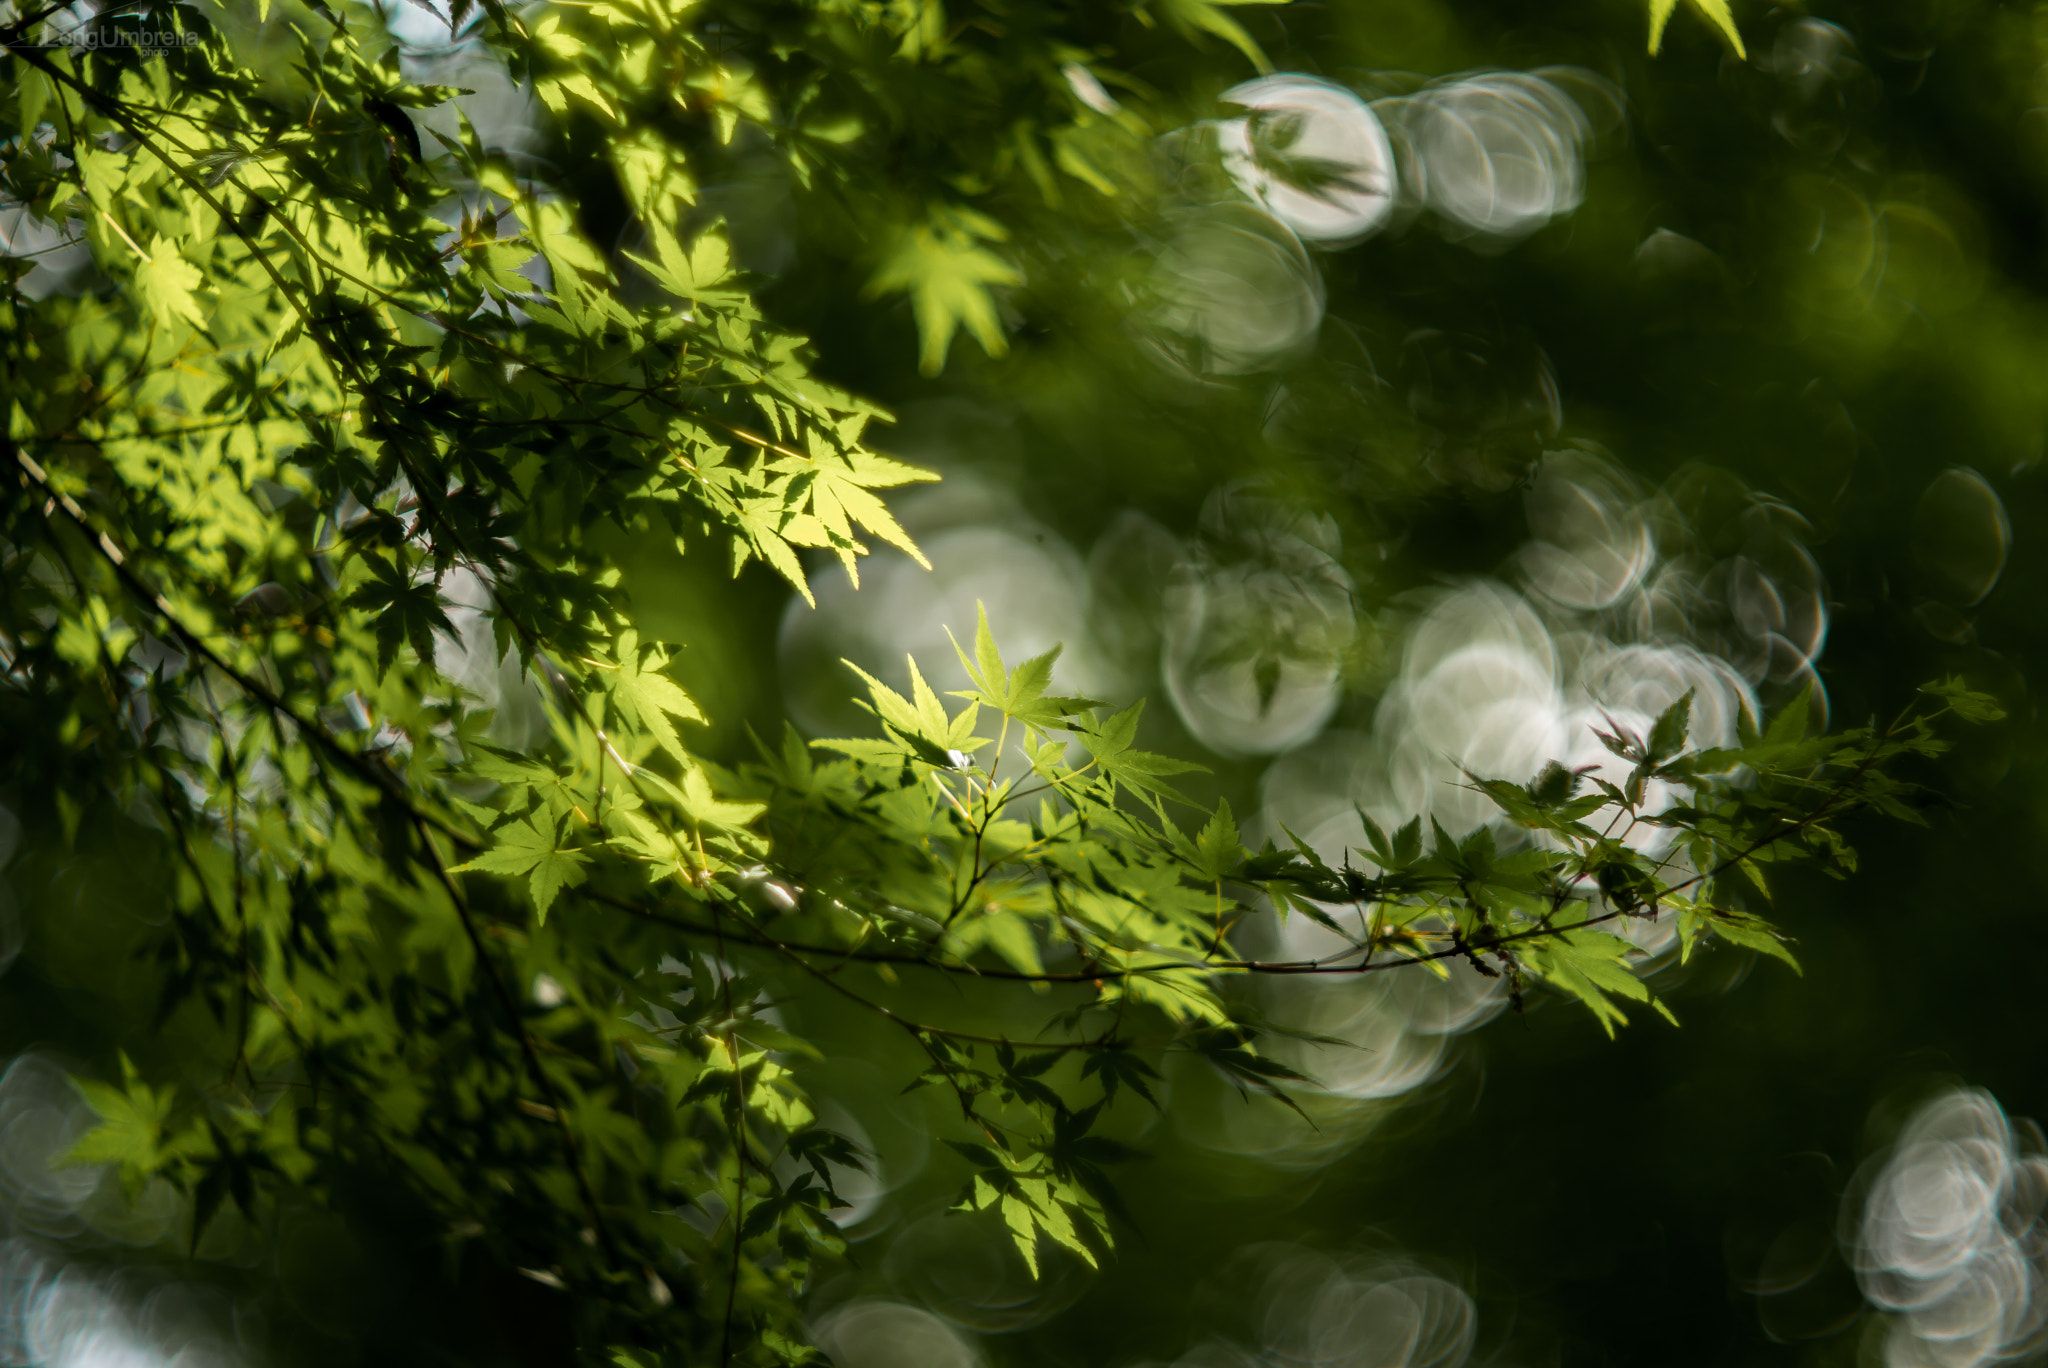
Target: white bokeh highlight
1257	620
1311	1310
1948	1231
1234	292
1495	155
1313	154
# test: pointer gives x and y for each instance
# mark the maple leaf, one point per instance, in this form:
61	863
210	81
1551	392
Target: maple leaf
131	1126
764	525
1207	16
650	696
1143	771
922	726
407	610
694	273
1216	850
947	275
1017	693
708	809
1716	13
526	848
1591	966
167	282
835	490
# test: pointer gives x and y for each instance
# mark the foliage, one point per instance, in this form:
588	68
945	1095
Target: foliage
1714	11
532	982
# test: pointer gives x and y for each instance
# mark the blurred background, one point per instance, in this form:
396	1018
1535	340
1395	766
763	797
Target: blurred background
1473	374
1476	373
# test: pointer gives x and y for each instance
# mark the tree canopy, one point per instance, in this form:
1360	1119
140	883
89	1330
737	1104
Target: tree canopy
460	885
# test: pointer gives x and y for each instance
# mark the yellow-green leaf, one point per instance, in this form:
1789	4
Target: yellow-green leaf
1207	16
167	282
948	277
1716	12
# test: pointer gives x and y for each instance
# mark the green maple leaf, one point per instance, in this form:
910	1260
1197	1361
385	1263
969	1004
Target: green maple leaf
1217	850
1019	693
1716	13
406	611
1121	1068
1002	930
527	848
835	490
921	726
650	697
694	274
1207	16
947	275
1142	771
763	524
1591	965
1754	933
130	1129
1667	737
167	282
697	801
708	809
